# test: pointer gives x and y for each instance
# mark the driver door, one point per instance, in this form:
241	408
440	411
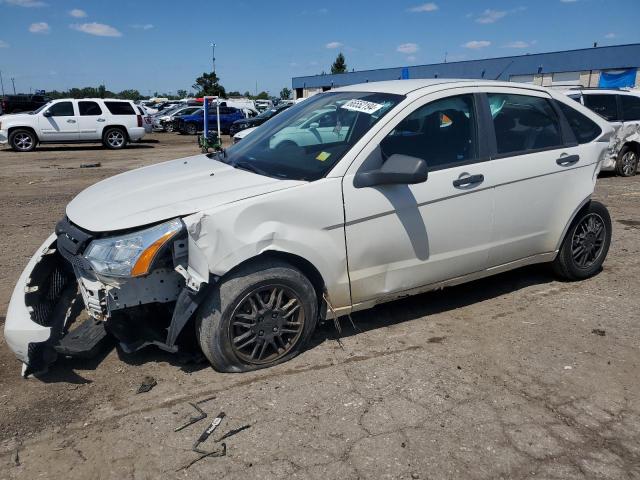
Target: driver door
60	122
403	237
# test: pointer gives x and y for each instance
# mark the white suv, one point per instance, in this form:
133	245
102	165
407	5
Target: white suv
422	184
622	109
110	121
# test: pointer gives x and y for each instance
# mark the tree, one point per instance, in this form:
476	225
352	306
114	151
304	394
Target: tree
262	96
208	84
285	93
247	94
129	94
101	91
182	93
339	66
235	93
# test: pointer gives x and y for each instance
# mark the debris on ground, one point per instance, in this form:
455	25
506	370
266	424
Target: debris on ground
147	384
216	453
232	432
436	340
201	416
207	433
598	331
16	456
90	165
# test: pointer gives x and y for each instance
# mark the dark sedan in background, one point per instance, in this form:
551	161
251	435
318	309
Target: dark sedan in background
245	123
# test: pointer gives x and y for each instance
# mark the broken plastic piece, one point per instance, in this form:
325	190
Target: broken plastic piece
201	416
147	384
207	433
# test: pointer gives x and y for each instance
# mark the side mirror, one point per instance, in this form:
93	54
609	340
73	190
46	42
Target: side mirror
46	113
314	125
398	169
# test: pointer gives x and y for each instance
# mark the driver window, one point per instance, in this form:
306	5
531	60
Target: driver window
61	109
443	133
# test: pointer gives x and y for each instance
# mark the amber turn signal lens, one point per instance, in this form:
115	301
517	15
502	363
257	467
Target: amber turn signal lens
145	260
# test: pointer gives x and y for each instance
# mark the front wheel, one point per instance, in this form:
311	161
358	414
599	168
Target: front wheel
586	244
191	128
627	163
260	316
23	140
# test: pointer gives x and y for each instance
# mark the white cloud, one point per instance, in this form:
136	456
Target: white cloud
491	16
610	35
77	13
475	44
408	48
517	44
25	3
39	27
333	45
425	7
411	58
3	44
144	26
98	29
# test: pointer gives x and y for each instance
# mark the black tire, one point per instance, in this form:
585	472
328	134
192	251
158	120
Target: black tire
627	163
223	319
23	140
191	129
168	127
114	138
586	244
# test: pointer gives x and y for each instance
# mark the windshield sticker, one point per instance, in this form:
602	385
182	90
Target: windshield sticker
322	156
362	106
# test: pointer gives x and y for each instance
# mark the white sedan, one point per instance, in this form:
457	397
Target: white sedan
414	185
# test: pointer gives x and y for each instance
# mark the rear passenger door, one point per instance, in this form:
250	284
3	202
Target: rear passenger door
59	122
541	173
91	120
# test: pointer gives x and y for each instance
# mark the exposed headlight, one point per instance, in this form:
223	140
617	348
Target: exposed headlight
131	255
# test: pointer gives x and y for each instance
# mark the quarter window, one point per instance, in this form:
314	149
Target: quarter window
604	105
120	108
89	109
583	128
61	109
630	108
442	133
523	123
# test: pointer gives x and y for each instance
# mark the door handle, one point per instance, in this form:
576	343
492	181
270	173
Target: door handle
567	160
468	181
100	120
71	120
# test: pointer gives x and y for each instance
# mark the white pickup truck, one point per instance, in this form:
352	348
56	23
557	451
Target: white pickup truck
111	122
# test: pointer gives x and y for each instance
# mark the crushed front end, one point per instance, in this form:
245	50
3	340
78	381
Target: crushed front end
133	285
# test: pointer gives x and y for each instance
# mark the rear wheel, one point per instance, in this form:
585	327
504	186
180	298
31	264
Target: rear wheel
191	128
627	163
168	127
23	140
114	138
586	244
260	316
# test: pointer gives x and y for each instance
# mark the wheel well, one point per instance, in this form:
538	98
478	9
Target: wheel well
120	127
635	146
12	129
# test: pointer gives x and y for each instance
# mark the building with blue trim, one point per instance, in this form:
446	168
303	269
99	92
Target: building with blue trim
612	66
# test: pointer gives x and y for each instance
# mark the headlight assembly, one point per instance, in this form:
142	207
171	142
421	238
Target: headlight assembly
131	255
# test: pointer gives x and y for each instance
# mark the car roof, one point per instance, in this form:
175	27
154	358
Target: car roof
97	99
403	87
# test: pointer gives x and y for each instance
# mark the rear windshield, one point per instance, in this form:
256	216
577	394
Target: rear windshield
120	108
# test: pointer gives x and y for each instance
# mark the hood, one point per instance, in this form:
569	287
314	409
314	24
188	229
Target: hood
20	117
164	191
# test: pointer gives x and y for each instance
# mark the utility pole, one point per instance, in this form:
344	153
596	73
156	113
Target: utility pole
2	84
14	85
213	56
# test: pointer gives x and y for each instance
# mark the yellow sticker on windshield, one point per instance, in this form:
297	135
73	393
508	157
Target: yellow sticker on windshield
322	156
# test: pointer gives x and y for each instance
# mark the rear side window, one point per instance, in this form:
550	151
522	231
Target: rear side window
120	108
604	105
89	109
442	133
630	108
583	127
523	123
61	109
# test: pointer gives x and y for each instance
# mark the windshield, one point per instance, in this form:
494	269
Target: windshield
308	139
41	108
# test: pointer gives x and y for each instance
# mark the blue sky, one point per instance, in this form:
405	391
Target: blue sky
163	45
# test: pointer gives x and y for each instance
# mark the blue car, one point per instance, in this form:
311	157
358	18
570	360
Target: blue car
192	124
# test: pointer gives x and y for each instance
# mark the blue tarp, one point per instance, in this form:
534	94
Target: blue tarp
618	79
405	74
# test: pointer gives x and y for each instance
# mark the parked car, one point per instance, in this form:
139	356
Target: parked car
147	121
22	103
166	122
243	133
262	105
192	124
112	122
622	110
437	182
245	123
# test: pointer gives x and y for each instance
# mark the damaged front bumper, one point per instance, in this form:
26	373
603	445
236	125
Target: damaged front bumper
56	285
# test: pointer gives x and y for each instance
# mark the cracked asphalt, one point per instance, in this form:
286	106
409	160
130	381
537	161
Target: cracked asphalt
515	376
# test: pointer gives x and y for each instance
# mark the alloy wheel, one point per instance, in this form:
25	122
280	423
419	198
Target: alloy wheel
588	241
115	138
23	141
629	163
266	324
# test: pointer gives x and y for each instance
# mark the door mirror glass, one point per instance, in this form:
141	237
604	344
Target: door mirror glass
397	169
46	113
314	125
